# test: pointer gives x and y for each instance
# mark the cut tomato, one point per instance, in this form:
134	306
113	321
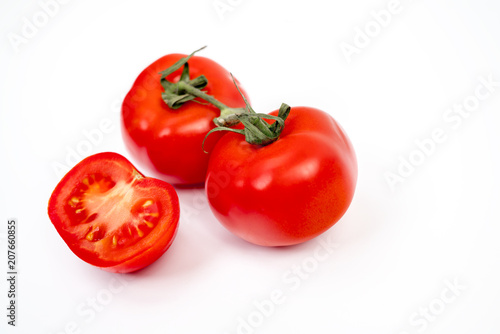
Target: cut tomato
113	217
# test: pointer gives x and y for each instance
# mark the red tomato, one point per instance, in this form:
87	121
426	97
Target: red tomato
168	142
289	191
113	217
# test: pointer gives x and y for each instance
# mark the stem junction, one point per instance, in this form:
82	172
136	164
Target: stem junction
256	130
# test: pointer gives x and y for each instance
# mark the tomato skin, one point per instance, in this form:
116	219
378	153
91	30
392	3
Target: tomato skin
143	251
168	142
289	191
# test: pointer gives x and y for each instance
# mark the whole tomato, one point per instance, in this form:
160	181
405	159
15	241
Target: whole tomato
288	191
167	142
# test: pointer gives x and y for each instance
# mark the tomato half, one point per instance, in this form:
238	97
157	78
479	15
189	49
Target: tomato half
286	192
113	217
168	142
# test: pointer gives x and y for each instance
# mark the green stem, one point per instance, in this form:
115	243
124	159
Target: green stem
225	111
256	130
185	90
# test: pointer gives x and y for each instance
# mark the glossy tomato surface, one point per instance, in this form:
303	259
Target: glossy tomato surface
113	217
289	191
168	142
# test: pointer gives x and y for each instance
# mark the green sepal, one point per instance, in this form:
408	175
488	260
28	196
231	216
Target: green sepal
173	96
219	128
256	130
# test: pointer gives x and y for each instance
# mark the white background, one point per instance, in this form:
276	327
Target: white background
397	250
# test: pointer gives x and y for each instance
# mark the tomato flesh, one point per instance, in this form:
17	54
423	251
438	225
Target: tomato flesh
113	217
